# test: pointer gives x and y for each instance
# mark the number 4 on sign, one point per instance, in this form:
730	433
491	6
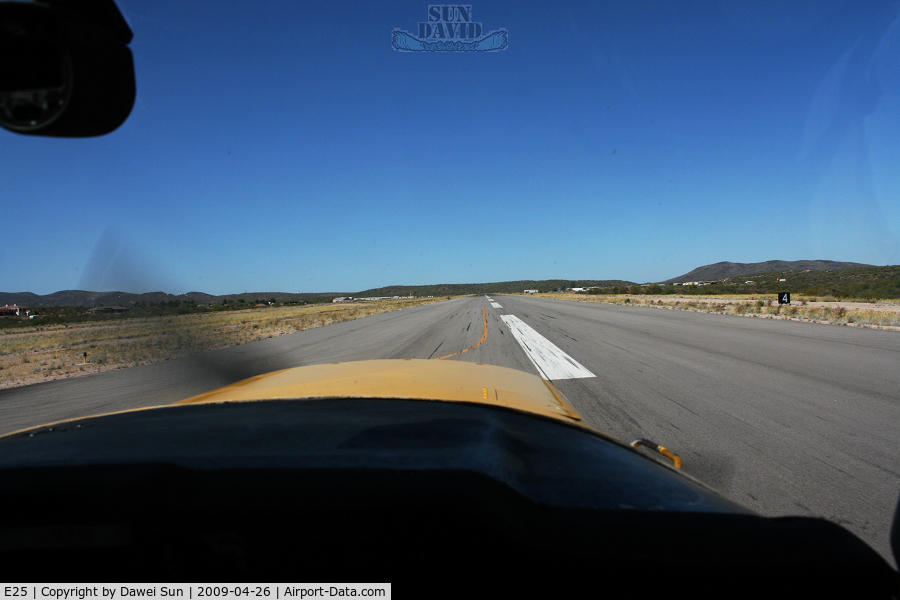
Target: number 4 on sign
784	298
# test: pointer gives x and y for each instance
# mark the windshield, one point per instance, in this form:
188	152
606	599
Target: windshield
507	174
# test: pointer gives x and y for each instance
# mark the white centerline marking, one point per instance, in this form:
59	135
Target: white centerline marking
495	305
551	362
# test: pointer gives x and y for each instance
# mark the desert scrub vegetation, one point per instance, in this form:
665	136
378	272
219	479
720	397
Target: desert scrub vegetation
75	349
863	284
881	315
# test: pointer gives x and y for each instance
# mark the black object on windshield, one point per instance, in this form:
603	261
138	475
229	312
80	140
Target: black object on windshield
65	68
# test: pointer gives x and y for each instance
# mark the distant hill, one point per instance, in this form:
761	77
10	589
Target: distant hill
866	283
89	299
723	270
816	277
813	277
502	287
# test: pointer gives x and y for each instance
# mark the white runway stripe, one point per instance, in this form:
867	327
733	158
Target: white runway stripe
551	362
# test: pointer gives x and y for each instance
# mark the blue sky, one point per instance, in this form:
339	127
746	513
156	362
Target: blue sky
286	146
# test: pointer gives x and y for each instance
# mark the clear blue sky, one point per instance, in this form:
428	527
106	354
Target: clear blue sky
286	146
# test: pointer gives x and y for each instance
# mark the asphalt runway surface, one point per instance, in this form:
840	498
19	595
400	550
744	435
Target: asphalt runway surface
786	418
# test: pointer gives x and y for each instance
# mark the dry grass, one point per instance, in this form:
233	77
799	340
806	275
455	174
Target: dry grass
58	352
877	315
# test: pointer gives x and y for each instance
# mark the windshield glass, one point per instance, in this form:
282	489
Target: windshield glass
299	157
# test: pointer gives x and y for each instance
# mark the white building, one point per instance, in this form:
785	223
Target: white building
15	310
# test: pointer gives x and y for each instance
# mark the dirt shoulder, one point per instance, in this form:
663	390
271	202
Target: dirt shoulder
59	352
875	315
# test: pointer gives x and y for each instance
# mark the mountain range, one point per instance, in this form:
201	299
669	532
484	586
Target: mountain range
717	271
724	270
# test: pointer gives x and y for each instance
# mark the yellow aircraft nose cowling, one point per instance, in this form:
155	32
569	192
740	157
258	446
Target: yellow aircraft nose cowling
414	379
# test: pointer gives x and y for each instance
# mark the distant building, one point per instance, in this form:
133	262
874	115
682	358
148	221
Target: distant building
14	310
531	291
702	282
106	309
343	299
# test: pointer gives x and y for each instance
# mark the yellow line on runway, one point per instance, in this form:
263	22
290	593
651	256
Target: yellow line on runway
483	337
